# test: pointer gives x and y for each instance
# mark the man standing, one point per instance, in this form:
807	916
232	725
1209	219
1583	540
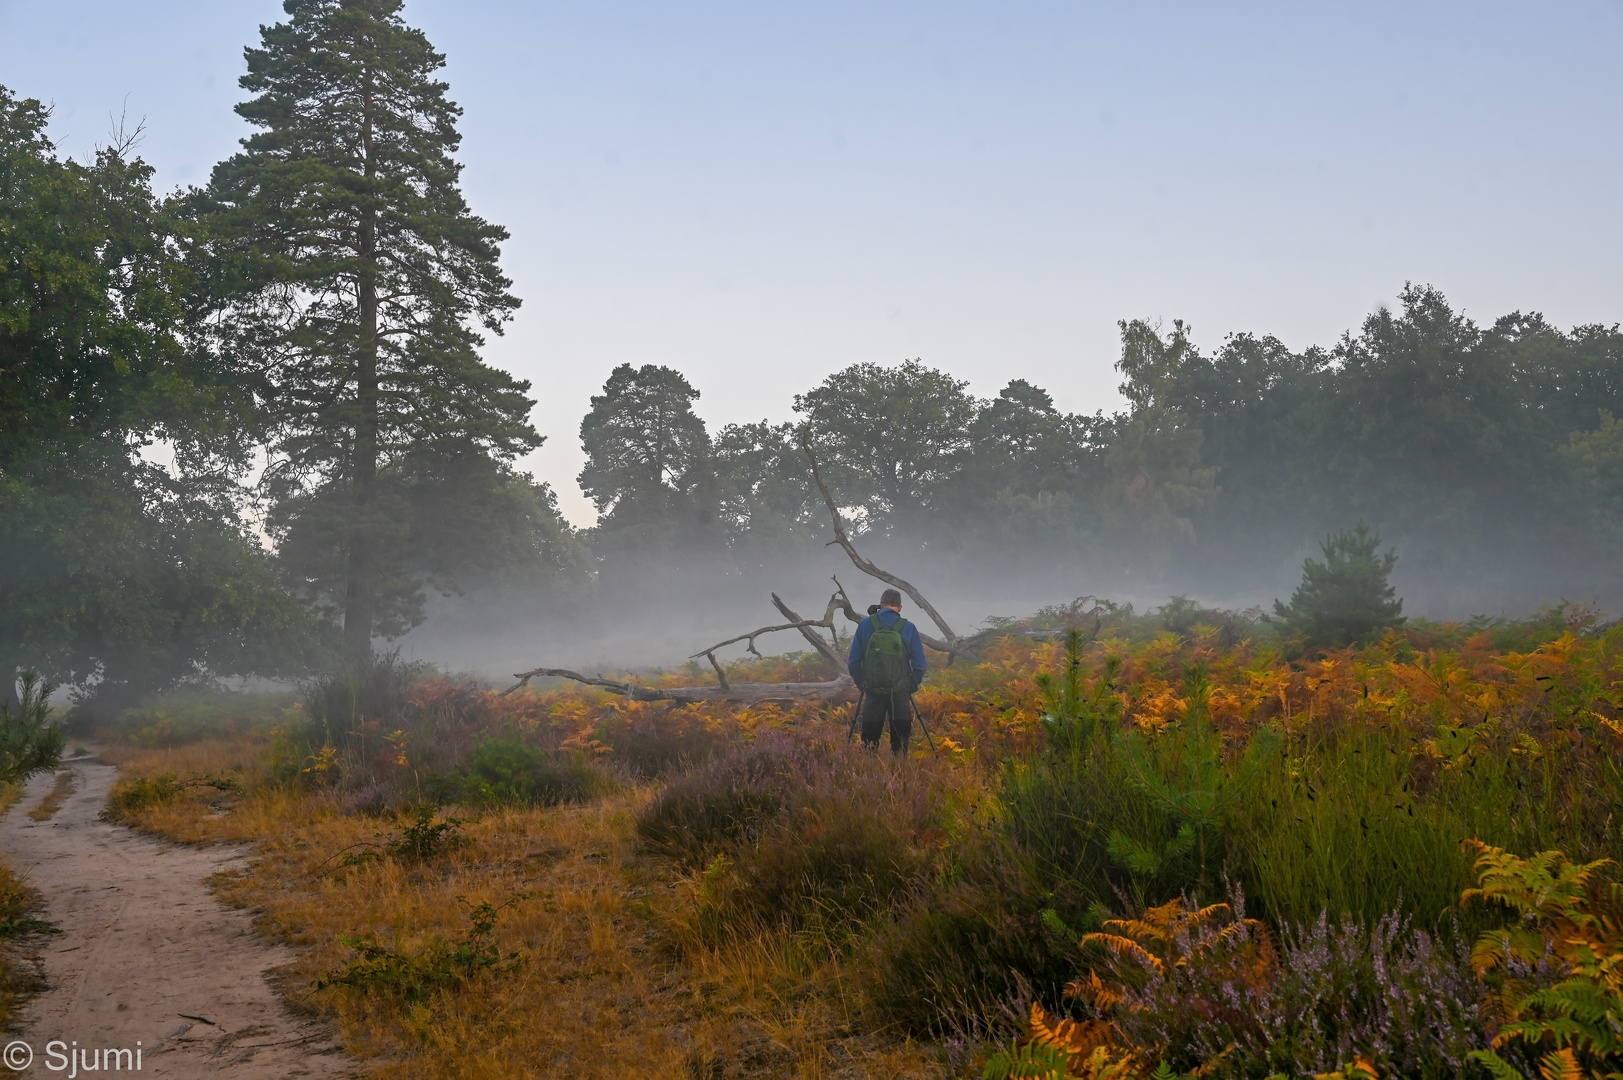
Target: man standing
887	661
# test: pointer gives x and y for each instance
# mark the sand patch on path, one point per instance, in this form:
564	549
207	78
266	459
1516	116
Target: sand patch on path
147	955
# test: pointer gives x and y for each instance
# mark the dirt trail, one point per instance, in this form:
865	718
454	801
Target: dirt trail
146	954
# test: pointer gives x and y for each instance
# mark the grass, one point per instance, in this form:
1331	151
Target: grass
20	977
596	926
66	781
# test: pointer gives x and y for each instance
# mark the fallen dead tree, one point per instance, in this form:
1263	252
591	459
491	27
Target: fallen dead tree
833	691
836	690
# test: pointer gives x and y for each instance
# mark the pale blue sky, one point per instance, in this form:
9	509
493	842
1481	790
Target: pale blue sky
760	194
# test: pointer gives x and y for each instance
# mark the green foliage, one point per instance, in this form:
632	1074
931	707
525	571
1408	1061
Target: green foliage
1598	458
648	466
767	501
129	798
29	742
411	976
889	435
422	839
1569	914
1335	824
18	901
114	571
375	687
507	770
188	714
354	284
1448	433
1346	598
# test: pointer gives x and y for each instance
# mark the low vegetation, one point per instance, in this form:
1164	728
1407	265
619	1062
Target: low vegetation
20	977
1167	844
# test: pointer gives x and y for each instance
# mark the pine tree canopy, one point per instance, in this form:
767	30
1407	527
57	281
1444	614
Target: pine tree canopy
357	283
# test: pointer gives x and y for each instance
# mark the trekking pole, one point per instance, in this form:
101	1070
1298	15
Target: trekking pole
856	714
922	724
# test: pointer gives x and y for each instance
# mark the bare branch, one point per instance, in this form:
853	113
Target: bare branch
840	602
721	676
950	644
749	638
123	140
804	626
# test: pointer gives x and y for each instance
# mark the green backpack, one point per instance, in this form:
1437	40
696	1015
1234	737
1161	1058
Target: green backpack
885	668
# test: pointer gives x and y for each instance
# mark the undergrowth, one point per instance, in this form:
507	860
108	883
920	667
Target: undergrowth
1203	852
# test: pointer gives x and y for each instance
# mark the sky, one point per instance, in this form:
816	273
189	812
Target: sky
762	194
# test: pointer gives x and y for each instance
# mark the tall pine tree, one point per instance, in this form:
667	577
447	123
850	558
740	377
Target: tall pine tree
357	284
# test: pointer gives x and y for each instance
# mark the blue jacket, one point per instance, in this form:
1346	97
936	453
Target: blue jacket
910	638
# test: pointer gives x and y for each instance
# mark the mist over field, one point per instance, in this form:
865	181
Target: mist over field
664	620
1485	458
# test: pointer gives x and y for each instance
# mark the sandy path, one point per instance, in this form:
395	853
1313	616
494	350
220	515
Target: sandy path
147	954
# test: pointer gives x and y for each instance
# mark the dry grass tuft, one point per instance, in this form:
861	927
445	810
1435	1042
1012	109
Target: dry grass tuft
20	976
53	800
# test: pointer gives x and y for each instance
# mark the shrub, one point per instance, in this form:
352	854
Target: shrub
1345	598
18	901
710	808
443	965
506	770
423	838
376	687
799	833
1557	976
130	797
1209	991
650	742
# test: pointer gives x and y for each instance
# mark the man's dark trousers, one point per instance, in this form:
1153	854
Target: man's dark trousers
898	708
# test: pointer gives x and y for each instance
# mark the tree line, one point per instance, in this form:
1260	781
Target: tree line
1481	450
246	426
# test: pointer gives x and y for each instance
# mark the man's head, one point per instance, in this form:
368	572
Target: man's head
892	599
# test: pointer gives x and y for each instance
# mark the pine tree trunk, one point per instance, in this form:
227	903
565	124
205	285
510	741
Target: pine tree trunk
359	605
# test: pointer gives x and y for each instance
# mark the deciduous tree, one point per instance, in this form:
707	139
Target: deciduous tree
117	572
891	436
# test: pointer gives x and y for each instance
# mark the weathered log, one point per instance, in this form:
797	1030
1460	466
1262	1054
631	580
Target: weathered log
754	693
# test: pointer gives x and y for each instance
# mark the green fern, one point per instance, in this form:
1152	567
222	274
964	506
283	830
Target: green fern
1033	1061
1497	1067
